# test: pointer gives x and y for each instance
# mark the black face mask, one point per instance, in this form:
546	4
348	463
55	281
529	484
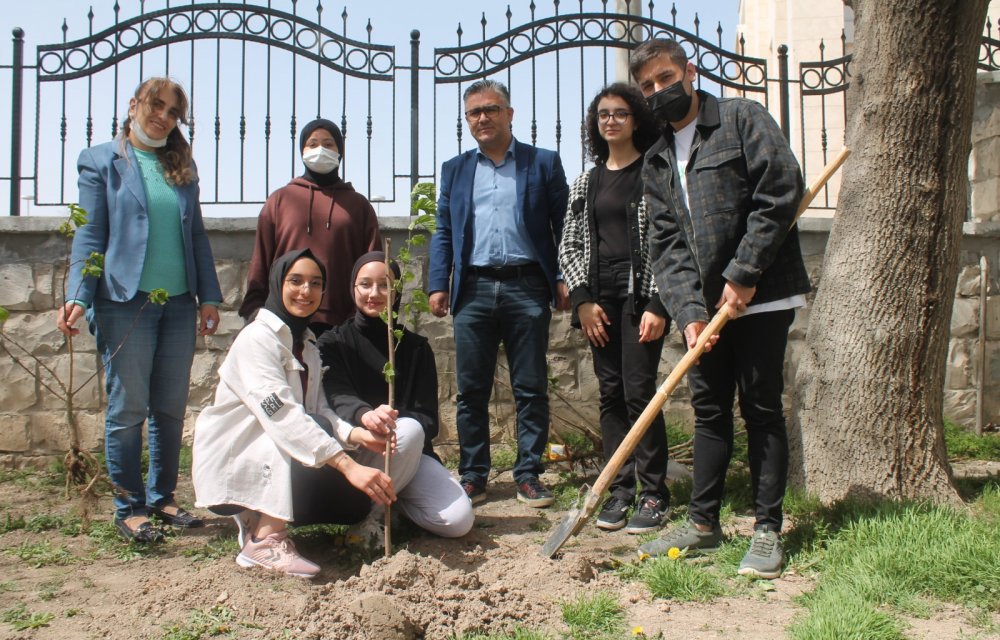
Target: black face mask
670	104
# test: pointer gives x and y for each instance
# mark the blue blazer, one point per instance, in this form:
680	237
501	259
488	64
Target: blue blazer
542	193
112	192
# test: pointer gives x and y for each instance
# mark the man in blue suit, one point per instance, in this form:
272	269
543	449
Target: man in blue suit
499	219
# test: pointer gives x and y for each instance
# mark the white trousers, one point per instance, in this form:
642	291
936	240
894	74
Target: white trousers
426	492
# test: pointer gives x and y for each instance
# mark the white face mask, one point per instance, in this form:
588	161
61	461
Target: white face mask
145	139
321	160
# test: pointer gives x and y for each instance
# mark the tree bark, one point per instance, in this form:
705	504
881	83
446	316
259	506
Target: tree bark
870	381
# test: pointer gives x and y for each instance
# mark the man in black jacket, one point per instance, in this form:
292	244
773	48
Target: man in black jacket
723	189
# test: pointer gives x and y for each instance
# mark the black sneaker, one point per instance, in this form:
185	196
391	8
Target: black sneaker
649	516
476	493
612	516
534	494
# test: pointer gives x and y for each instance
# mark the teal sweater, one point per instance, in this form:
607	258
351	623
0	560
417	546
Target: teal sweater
163	267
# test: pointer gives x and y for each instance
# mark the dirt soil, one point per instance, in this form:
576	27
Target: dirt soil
489	581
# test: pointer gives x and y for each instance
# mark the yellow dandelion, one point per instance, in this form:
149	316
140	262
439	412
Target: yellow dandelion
643	556
637	631
674	553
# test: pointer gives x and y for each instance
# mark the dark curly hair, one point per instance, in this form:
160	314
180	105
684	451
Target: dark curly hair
646	129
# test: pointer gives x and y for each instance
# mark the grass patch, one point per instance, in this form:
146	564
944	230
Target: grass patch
208	623
517	633
877	559
963	444
42	554
597	616
218	546
20	619
681	580
110	543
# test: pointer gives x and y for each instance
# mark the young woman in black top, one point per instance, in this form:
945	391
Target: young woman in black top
605	261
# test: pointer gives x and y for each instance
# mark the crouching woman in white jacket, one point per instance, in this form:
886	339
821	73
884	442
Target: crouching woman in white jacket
270	450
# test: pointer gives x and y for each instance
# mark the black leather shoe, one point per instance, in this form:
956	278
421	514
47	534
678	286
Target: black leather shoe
182	518
145	533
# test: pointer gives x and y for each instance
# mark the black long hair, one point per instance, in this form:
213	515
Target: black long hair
646	128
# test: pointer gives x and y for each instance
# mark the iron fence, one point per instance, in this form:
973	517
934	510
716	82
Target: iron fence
254	72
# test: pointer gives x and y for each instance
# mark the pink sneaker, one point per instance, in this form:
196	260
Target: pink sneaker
276	552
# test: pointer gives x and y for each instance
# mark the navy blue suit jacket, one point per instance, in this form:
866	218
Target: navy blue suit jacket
112	192
542	193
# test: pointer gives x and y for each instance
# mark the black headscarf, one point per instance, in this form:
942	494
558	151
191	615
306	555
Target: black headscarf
372	256
276	282
322	179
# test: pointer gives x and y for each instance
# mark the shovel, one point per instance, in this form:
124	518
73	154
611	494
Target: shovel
589	497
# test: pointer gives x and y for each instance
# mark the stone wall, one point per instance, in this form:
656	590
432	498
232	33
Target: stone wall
32	419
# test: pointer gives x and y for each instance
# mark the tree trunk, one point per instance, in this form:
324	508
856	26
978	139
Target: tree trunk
870	381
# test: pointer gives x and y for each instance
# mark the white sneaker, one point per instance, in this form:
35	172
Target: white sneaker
246	521
276	552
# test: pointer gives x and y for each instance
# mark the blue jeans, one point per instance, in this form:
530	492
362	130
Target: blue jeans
147	369
515	312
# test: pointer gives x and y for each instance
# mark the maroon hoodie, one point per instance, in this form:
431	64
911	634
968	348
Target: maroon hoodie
335	222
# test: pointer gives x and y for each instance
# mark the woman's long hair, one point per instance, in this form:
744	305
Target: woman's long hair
175	156
646	128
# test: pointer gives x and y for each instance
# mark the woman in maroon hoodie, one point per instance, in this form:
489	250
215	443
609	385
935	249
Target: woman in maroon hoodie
320	212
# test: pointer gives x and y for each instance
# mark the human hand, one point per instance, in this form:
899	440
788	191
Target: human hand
693	330
737	296
651	326
67	316
380	420
439	303
562	296
374	442
209	319
375	484
592	321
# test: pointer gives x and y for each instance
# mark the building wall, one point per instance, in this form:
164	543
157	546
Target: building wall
32	419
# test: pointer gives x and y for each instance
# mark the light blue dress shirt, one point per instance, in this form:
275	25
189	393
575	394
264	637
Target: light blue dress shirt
499	234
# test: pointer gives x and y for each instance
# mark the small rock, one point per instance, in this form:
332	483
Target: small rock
580	569
222	597
665	608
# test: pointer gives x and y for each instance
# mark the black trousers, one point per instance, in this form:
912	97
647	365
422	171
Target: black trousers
749	356
626	373
320	495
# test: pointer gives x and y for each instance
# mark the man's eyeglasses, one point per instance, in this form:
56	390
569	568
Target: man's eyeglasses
365	287
299	283
490	111
619	116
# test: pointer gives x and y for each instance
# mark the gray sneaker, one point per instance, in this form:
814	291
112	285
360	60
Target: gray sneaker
764	558
686	536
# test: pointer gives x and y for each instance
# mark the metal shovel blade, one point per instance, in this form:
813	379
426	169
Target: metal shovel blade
572	523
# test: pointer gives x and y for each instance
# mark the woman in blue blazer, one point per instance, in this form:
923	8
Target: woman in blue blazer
140	192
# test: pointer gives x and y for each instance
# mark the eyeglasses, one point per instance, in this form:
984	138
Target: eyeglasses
619	116
490	111
365	287
300	283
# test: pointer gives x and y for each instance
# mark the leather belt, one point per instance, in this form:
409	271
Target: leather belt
509	272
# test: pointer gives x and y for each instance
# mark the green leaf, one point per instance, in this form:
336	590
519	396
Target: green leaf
159	296
398	333
4	314
93	265
388	372
77	215
408	276
67	229
418	241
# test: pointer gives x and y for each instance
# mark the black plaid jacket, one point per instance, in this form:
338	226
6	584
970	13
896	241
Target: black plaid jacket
744	186
578	255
